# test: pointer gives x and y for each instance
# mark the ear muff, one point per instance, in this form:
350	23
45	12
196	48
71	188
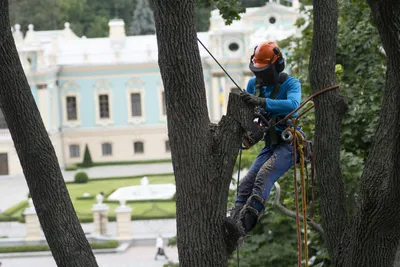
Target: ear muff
280	62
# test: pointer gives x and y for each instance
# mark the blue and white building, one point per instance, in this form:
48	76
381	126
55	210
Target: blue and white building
107	93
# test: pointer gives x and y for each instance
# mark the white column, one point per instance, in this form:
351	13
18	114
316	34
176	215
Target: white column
32	224
100	219
124	222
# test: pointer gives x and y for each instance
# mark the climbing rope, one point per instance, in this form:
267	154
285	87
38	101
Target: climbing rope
296	195
298	145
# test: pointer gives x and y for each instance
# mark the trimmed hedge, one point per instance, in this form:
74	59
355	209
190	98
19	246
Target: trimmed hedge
16	208
139	201
85	198
124	177
113	218
81	178
110	244
72	167
111	163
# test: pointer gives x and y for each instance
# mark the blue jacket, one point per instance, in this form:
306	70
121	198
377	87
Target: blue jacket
287	99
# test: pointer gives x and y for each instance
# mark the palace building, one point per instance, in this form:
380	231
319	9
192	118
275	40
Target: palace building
107	93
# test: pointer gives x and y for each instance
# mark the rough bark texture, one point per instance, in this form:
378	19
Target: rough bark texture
203	154
374	235
57	216
327	124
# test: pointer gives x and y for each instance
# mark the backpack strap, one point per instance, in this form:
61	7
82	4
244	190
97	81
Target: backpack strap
282	78
273	139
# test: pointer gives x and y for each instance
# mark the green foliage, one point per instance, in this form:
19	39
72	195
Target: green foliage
91	17
87	158
230	10
143	19
203	15
81	178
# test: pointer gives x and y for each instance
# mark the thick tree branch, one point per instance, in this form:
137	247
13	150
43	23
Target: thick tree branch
38	159
292	214
327	124
203	154
374	232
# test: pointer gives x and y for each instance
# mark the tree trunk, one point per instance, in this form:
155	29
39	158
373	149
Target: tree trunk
54	208
374	235
203	154
328	115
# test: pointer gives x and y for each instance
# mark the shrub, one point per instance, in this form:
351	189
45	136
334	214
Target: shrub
81	178
87	158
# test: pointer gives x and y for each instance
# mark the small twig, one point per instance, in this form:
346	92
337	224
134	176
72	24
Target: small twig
292	214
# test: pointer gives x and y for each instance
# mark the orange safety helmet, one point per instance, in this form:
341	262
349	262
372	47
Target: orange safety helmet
266	53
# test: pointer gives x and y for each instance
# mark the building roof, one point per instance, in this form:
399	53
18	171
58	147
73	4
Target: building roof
63	47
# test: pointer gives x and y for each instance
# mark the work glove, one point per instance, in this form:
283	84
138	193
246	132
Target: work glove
253	100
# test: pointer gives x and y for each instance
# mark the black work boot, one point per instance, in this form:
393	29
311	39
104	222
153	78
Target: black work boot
233	229
251	212
235	212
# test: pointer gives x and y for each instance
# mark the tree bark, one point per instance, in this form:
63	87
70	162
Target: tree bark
203	154
54	208
374	236
328	115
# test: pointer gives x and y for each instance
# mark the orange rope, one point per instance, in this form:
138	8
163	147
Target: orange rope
296	195
298	144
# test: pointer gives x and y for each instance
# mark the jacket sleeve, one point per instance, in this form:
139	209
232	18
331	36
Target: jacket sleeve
290	103
251	89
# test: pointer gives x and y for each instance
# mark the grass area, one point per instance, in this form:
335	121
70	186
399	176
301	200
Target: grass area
141	209
110	163
110	244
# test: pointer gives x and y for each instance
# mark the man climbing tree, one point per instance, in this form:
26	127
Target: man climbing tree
278	95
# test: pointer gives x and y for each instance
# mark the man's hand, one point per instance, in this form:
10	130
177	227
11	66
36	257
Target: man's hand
252	99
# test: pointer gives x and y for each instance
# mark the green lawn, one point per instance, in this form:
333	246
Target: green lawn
96	186
145	209
141	210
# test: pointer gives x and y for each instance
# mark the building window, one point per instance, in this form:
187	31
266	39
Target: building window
72	113
138	147
136	105
106	149
164	107
167	146
104	107
74	151
3	124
